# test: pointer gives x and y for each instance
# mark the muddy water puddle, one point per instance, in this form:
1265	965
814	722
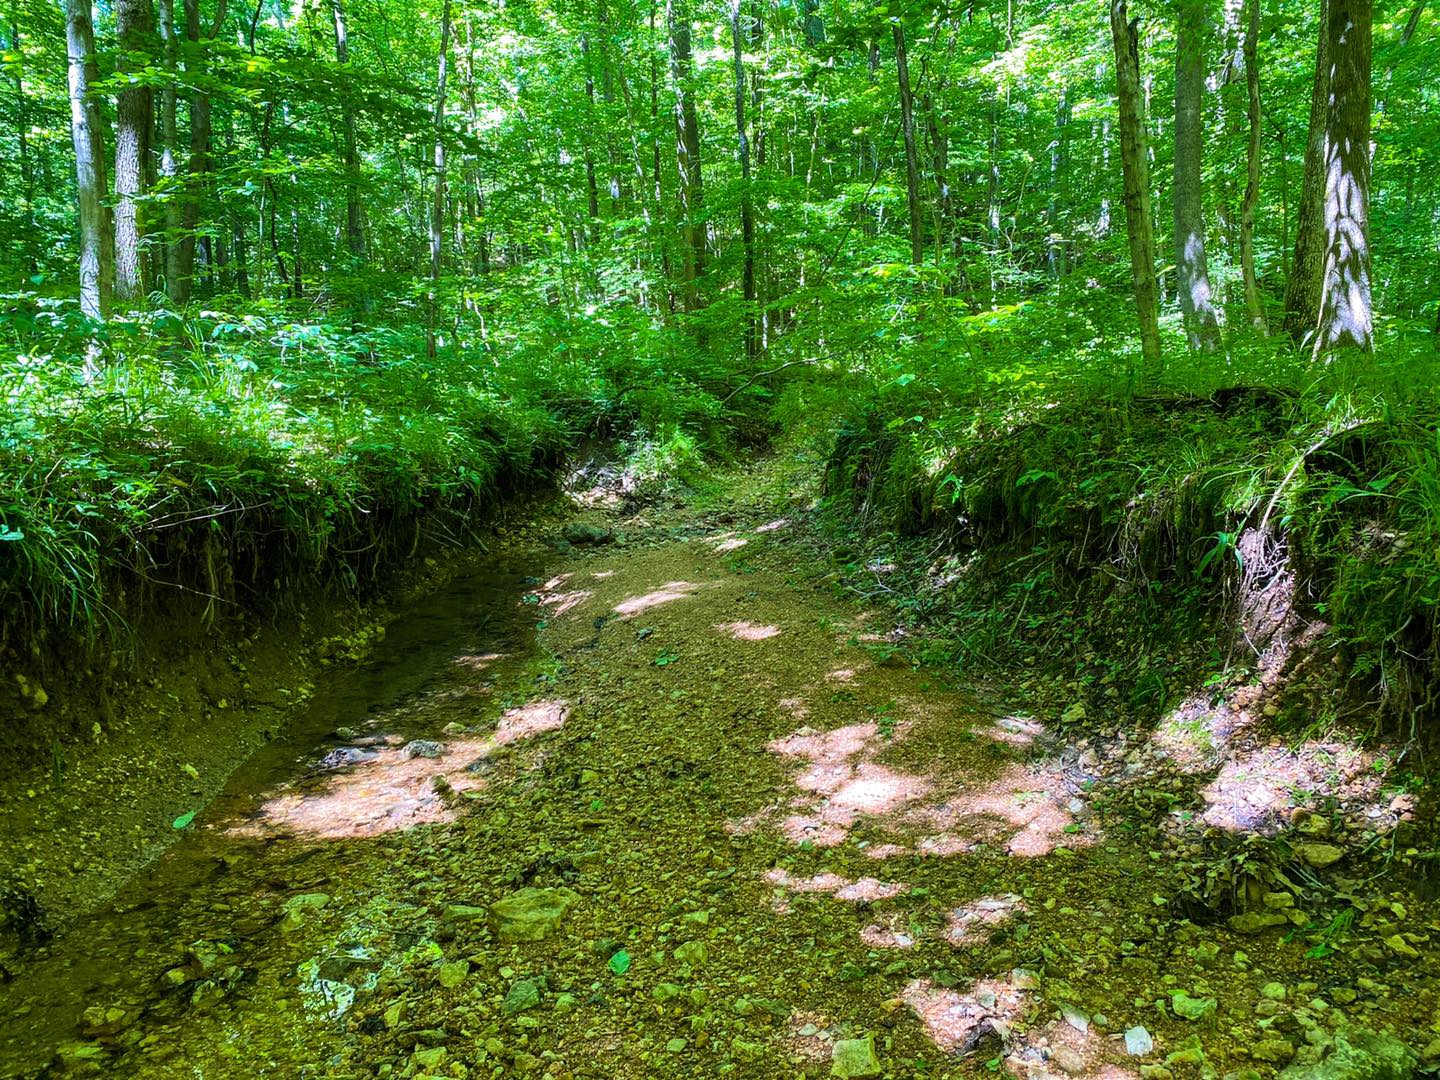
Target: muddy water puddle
404	740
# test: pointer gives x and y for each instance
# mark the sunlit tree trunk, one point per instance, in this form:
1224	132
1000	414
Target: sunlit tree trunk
944	199
912	162
747	213
134	28
88	138
437	205
354	223
687	151
1253	307
1345	319
1307	265
1192	269
1134	160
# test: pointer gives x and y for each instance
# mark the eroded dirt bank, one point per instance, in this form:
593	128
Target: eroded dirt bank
668	807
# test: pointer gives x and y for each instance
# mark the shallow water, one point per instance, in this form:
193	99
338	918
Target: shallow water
284	824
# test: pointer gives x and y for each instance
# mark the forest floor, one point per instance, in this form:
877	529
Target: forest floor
670	805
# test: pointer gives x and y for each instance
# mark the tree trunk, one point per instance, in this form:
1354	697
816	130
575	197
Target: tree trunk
1345	319
1307	265
1192	269
200	163
437	206
88	137
747	213
1253	307
1055	255
687	151
944	199
169	161
22	138
592	187
134	110
1135	162
912	161
354	223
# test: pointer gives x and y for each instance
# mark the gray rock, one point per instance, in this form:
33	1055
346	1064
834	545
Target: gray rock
582	533
531	914
422	748
1356	1054
855	1057
1138	1042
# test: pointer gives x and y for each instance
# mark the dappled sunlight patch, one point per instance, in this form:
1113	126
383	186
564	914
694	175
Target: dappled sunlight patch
388	791
945	846
748	631
1258	790
666	594
601	575
976	921
885	851
734	543
561	603
841	675
772	526
864	890
1190	734
1027	810
836	745
959	1022
530	720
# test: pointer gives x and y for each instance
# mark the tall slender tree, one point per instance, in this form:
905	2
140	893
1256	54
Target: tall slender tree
691	190
1345	319
437	204
1253	307
1135	164
87	135
134	111
747	211
354	220
912	159
1192	270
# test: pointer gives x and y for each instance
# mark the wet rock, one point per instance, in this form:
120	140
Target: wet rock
1256	922
523	994
1272	1051
102	1022
693	953
299	908
454	973
1191	1008
462	913
431	1058
1358	1055
204	957
341	967
345	756
583	534
531	914
80	1059
1138	1042
854	1057
422	748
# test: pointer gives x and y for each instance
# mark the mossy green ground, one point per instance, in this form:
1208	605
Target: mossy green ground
778	834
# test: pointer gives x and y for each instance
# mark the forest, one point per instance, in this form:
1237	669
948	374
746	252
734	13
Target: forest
758	538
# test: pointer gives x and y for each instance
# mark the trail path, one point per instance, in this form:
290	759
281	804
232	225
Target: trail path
675	811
